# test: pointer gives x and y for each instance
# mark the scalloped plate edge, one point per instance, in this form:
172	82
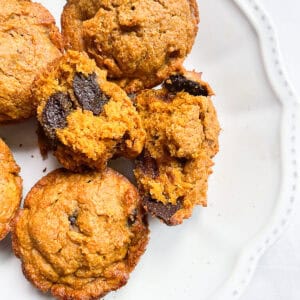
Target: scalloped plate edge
246	264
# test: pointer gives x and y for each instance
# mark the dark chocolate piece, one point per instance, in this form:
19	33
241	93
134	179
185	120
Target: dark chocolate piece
147	164
88	93
160	210
55	113
177	83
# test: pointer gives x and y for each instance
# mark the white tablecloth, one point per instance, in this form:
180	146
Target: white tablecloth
278	273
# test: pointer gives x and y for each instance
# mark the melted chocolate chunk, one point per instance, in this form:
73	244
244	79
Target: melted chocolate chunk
177	83
162	211
147	164
55	113
88	93
132	218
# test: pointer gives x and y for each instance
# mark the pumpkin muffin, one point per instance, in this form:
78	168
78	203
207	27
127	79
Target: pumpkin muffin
10	188
86	119
182	132
140	43
29	40
80	235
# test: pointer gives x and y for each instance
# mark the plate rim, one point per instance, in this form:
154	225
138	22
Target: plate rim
248	259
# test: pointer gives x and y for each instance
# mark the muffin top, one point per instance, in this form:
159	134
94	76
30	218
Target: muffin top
140	43
80	235
29	40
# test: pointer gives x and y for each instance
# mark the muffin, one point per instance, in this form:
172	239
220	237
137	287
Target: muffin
80	235
10	188
140	43
182	132
86	119
29	40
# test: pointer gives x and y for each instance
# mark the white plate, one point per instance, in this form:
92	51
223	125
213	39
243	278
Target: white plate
213	255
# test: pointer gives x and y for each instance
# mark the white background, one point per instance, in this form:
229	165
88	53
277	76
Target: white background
278	273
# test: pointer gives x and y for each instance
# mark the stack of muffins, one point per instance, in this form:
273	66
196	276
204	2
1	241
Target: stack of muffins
83	227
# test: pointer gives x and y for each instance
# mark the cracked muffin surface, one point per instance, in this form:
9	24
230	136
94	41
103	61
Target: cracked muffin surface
86	119
80	235
140	43
10	188
29	40
182	132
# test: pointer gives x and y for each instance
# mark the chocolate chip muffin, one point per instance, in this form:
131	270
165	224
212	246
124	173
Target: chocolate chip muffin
80	235
29	40
181	139
140	43
10	188
86	119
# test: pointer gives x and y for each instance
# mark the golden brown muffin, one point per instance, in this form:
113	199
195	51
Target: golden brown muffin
182	132
29	40
10	188
87	119
140	43
80	235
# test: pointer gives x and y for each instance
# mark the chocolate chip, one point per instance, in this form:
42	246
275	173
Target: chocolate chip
174	54
147	164
88	93
182	161
55	113
177	83
132	218
202	116
73	221
162	211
